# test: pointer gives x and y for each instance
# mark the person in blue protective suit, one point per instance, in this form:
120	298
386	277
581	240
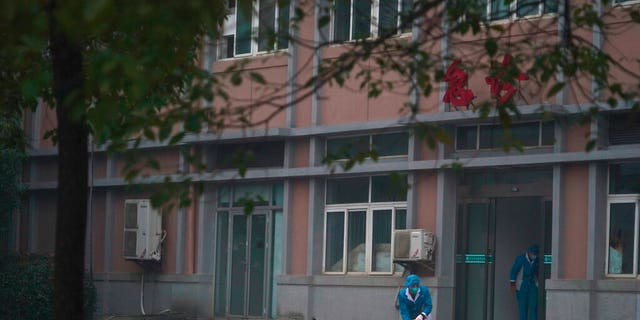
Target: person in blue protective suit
524	281
414	300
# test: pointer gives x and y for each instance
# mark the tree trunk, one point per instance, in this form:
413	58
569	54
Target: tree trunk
66	53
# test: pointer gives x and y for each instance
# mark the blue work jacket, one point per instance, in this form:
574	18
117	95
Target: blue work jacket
524	272
410	308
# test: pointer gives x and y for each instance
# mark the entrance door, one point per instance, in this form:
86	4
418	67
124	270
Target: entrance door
242	268
493	232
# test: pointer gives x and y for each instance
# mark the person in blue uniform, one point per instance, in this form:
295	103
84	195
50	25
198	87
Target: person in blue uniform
524	281
414	300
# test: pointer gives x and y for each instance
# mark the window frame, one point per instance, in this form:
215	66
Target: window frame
231	30
624	198
512	14
369	137
478	137
368	253
374	17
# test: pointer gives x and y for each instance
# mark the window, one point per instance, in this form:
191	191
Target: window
623	221
361	19
502	9
259	194
495	136
359	226
254	26
385	145
624	129
248	155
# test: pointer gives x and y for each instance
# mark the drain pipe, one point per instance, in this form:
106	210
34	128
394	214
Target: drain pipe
142	294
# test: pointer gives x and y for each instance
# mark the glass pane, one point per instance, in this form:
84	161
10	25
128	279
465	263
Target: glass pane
224	195
243	26
276	267
341	20
389	188
266	25
499	10
344	148
283	23
548	137
621	237
334	243
259	193
257	266
388	17
624	178
349	190
466	138
401	219
381	257
527	134
392	144
407	6
477	214
361	19
238	264
527	8
550	6
221	256
277	195
356	235
491	136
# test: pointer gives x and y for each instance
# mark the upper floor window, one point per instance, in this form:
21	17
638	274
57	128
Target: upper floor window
361	19
245	155
254	26
502	9
384	145
624	128
623	221
495	136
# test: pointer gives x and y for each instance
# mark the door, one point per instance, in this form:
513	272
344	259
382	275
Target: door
242	276
493	232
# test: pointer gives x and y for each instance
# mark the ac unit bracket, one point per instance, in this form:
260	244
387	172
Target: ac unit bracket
415	266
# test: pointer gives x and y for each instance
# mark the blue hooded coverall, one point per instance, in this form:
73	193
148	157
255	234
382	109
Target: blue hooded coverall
411	307
527	293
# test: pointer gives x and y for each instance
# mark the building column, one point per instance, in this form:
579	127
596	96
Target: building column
446	217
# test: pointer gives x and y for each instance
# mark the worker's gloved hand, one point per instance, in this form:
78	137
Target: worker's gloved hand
421	316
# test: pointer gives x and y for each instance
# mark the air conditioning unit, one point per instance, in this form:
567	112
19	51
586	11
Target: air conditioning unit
142	231
413	245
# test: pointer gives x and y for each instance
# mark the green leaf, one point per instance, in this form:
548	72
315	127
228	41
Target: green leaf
590	145
555	89
257	77
491	46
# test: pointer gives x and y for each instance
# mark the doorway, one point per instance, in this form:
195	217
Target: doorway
246	246
493	231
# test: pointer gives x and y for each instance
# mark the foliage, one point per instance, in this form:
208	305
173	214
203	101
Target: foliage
13	155
26	288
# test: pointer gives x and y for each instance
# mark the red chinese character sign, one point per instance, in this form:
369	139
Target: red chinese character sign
457	94
501	90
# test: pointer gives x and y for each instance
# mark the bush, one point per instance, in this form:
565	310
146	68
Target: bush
26	288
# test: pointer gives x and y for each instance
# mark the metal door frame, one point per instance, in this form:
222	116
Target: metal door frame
247	276
490	244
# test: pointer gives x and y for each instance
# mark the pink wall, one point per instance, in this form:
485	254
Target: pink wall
574	211
299	226
301	157
426	184
48	121
577	138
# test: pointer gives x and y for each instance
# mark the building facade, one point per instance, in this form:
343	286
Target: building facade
318	244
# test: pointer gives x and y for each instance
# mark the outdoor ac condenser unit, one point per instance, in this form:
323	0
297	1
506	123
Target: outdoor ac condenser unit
413	245
142	231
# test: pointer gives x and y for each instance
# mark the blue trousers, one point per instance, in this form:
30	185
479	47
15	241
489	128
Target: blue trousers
527	302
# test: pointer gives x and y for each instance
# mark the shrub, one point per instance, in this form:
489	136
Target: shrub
26	288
